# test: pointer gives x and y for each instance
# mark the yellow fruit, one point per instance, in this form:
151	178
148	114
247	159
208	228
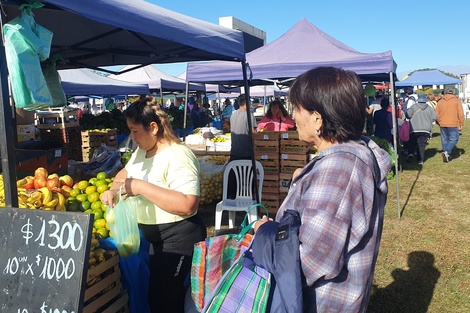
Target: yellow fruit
98	214
92	181
102	175
75	192
99	223
82	184
90	189
85	205
96	205
102	188
93	197
102	232
82	197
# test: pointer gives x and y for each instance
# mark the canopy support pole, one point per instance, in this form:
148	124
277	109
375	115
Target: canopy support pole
250	131
395	141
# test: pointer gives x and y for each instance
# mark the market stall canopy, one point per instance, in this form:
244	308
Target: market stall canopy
86	82
99	33
427	78
301	48
155	78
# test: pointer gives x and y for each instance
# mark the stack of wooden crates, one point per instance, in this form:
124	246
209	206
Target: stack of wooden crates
92	139
61	126
280	153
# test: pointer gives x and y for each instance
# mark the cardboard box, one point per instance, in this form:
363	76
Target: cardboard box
53	160
26	132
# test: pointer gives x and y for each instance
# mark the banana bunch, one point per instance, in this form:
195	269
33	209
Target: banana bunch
42	199
219	139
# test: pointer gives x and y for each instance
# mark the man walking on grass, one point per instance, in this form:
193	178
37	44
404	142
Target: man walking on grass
450	118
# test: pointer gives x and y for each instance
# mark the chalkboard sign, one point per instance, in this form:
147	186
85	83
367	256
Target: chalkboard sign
43	260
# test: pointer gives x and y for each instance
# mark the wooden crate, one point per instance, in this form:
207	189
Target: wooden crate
65	135
97	138
293	134
272	201
107	294
266	146
266	136
294	146
291	162
268	159
56	118
271	183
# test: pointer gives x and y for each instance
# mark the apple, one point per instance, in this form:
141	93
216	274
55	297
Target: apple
66	190
39	182
53	175
66	180
52	183
29	182
41	172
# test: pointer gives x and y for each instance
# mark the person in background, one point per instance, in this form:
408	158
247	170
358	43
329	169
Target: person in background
241	140
226	114
164	174
431	100
409	100
276	119
383	121
450	118
422	118
340	194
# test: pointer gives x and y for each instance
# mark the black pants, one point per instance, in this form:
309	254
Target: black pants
170	266
418	141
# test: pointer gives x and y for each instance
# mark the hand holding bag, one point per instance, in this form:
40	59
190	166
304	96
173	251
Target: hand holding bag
122	221
214	256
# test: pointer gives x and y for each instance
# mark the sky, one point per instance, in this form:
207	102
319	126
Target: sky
420	33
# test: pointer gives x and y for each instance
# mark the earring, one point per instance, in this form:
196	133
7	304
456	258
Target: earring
318	132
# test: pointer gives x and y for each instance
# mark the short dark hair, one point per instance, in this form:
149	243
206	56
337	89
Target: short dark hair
242	100
408	90
337	95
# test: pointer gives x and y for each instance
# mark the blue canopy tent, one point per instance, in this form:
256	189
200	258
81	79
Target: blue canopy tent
79	82
427	78
103	33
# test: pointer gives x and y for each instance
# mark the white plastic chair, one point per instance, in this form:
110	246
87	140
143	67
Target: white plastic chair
244	196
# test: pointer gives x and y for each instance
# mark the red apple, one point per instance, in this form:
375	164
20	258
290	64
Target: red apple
39	182
66	180
41	172
29	182
52	183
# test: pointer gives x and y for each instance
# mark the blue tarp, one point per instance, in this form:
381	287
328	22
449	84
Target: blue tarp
427	78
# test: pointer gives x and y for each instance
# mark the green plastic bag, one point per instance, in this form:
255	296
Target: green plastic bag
26	45
54	85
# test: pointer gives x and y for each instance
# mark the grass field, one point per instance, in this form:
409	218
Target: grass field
424	259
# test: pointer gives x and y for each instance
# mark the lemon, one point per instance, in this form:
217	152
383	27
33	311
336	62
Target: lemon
96	205
82	197
92	181
98	214
82	184
85	205
90	189
75	192
102	175
93	197
102	188
102	233
99	223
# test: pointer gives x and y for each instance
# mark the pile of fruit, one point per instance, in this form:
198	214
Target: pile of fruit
85	196
45	191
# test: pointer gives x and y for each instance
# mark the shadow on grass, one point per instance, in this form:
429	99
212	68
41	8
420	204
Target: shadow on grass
411	290
419	168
